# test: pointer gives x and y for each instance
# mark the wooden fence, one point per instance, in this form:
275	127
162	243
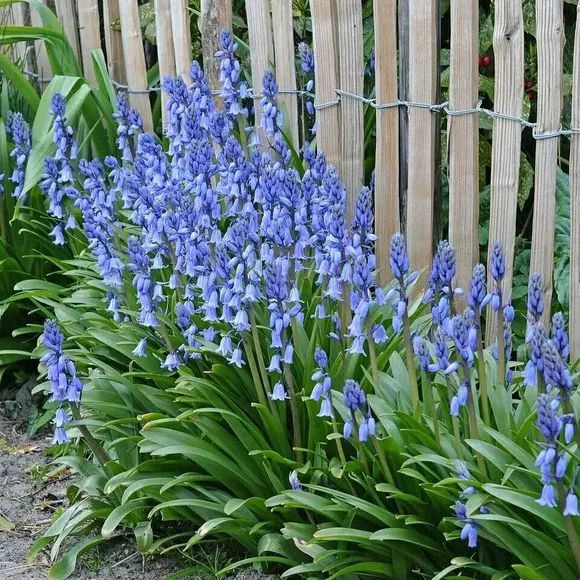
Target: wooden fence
408	116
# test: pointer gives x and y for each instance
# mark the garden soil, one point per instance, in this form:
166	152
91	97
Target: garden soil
31	492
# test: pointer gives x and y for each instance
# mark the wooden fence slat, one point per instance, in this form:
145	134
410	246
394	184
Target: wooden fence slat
89	34
508	45
136	71
43	68
550	37
284	51
351	65
66	12
326	74
423	80
165	49
575	204
403	54
463	135
387	216
182	38
261	47
113	42
216	15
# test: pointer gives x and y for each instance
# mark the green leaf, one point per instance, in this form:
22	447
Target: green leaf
119	514
404	535
66	565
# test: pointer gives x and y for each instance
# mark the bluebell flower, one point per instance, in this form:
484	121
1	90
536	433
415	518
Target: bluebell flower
560	336
140	349
65	385
445	263
537	337
556	373
306	58
279	392
172	362
354	396
535	298
421	351
362	222
294	481
271	116
477	297
460	329
19	131
366	428
497	262
129	125
398	257
232	89
441	351
571	507
469	529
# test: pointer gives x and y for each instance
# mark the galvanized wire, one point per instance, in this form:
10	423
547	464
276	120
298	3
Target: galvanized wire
440	108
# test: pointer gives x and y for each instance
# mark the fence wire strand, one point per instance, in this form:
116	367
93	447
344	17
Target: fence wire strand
440	108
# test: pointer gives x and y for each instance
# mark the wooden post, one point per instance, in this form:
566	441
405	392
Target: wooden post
387	217
351	64
136	70
182	38
508	45
216	15
575	204
284	51
261	48
43	68
90	35
550	36
113	42
66	12
326	74
403	37
423	79
165	50
463	134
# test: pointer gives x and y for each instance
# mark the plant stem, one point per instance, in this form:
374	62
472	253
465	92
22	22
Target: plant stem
259	354
454	423
472	415
481	371
294	412
410	362
255	374
101	455
569	526
500	348
373	357
428	398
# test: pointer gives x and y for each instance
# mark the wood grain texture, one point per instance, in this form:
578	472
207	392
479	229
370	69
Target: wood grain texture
575	204
165	49
387	216
351	66
328	131
463	136
550	37
284	52
181	26
508	45
136	71
215	16
423	79
113	42
43	68
67	14
89	34
403	52
261	48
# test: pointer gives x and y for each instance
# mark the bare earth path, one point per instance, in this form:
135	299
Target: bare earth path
28	501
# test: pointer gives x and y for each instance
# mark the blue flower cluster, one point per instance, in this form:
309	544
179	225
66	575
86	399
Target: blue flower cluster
65	385
19	131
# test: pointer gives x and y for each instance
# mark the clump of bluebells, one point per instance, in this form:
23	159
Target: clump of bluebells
222	236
